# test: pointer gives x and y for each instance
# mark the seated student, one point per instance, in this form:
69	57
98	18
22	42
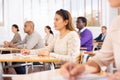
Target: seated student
101	37
108	54
32	41
65	43
85	34
49	35
16	38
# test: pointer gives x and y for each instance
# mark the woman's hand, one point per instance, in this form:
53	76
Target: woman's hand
6	44
71	71
11	44
43	53
115	76
25	51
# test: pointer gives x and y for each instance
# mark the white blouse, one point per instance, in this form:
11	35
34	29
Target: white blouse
48	39
62	48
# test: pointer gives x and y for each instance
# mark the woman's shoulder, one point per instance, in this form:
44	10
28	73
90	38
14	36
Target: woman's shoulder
17	34
73	33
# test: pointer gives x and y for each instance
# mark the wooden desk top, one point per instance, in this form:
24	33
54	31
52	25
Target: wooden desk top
90	53
83	48
10	49
29	58
98	43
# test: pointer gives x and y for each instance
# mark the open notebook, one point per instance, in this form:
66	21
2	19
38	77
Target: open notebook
83	77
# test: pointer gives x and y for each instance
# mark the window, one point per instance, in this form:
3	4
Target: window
42	11
93	12
1	12
91	9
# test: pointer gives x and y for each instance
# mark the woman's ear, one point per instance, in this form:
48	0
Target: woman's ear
66	22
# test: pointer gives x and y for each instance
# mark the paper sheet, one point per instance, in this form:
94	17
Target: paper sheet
21	55
83	77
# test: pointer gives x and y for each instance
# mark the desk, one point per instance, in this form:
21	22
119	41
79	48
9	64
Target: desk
97	45
30	58
86	55
100	43
46	75
9	49
90	53
83	48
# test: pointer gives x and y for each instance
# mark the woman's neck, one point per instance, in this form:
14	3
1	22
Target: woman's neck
62	31
48	33
15	32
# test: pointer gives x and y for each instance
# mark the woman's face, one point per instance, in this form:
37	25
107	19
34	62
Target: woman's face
47	30
59	23
14	30
114	3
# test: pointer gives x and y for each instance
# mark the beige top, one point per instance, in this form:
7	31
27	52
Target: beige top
33	41
16	38
62	48
48	39
111	46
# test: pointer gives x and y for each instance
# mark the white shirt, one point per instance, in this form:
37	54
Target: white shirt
103	36
83	29
48	39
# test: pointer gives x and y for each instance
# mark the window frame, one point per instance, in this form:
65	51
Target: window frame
2	14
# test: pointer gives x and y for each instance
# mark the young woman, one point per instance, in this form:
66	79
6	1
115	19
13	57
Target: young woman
49	35
16	38
108	54
66	42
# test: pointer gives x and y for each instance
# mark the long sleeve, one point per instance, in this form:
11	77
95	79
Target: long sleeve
105	56
31	43
50	39
16	38
73	47
84	39
98	38
49	48
21	43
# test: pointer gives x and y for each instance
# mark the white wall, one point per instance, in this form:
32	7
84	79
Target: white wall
13	14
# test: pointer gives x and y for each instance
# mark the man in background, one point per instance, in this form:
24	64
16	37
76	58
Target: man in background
32	41
101	37
85	34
